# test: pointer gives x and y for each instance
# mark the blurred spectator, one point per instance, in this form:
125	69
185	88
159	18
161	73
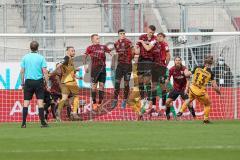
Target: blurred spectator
223	74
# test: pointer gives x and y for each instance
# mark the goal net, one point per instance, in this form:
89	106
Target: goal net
192	47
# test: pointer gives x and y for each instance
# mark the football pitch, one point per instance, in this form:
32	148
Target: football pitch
173	140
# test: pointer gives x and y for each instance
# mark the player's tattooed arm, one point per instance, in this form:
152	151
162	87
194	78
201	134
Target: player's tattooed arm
215	87
46	77
149	46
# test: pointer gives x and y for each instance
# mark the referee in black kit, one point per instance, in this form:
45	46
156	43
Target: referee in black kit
33	70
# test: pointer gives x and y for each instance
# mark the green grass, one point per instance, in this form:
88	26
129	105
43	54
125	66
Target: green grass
122	140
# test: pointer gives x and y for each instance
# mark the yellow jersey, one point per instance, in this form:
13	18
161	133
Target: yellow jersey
201	77
68	70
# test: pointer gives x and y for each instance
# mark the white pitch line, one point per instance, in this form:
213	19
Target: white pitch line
156	148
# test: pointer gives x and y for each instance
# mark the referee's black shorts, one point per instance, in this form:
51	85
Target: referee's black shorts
33	87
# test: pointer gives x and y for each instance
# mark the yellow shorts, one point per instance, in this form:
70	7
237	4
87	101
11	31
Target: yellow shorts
134	99
70	87
200	95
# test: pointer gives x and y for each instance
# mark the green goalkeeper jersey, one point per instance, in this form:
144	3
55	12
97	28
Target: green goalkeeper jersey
169	86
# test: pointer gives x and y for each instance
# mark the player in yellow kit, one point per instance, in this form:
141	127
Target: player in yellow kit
69	84
201	76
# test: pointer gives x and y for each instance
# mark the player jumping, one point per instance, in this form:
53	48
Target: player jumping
125	53
98	68
145	63
161	58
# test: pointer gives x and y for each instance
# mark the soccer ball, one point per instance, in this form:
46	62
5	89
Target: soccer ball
182	39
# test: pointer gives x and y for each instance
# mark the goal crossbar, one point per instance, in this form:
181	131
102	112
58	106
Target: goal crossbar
115	34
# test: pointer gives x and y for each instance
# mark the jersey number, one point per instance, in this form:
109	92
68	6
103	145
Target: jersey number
202	81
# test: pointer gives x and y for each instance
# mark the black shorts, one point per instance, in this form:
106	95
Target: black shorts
123	70
47	97
56	96
98	74
159	73
145	67
174	95
33	87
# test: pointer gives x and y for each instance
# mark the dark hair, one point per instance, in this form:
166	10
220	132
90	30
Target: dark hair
208	60
93	35
162	34
177	57
121	30
68	47
34	46
152	27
